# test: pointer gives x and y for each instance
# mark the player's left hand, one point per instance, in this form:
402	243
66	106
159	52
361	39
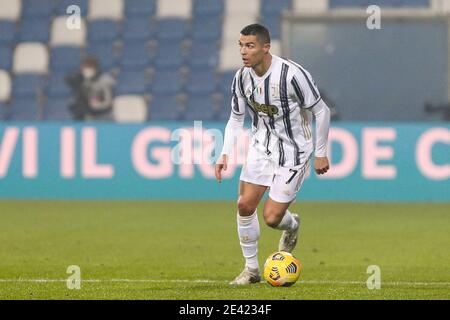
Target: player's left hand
321	165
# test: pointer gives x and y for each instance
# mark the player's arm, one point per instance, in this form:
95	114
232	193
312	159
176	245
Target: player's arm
233	127
321	113
306	93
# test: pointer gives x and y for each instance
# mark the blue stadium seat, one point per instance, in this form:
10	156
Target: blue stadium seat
273	23
137	28
34	30
269	7
135	56
24	109
27	85
200	108
271	11
207	28
223	114
5	57
201	81
413	3
61	9
143	8
347	3
38	9
106	54
65	58
165	107
104	30
226	80
173	29
169	55
7	32
132	82
204	54
57	110
208	7
3	111
166	82
56	86
383	3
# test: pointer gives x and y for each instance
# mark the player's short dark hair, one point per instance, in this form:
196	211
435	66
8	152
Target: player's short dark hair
91	61
258	30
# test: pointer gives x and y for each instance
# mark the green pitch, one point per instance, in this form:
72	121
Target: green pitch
190	250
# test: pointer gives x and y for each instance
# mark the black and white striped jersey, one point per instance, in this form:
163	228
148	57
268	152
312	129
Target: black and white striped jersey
279	105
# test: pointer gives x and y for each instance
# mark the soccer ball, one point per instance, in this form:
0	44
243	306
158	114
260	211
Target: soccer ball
282	269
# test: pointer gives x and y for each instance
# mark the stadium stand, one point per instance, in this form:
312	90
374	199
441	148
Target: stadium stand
7	32
5	86
42	9
159	50
61	35
65	58
11	10
106	9
382	3
34	29
174	9
140	9
132	82
135	56
63	5
56	87
104	30
137	28
30	57
5	57
55	109
130	109
24	109
167	82
166	107
108	53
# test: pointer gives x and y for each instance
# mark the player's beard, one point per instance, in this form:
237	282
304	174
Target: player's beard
247	63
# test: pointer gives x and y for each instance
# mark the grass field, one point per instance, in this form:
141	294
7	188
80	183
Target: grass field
190	250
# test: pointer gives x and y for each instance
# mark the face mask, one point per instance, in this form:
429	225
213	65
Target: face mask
88	73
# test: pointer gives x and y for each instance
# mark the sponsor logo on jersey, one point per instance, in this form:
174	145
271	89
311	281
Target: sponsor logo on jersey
270	110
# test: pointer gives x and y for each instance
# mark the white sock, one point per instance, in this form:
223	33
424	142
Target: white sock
248	231
288	222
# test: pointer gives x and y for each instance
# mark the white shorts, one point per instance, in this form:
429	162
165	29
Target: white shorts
284	182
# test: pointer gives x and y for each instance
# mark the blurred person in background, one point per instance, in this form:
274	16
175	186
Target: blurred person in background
92	92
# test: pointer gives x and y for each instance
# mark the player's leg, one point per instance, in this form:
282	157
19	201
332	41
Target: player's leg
277	215
284	188
248	230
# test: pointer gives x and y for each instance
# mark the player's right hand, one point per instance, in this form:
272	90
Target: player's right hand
221	165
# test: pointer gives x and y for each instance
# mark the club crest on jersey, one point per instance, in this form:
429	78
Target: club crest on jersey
275	90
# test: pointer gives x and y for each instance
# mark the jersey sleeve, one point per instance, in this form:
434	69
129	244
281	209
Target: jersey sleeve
237	115
303	89
321	113
238	102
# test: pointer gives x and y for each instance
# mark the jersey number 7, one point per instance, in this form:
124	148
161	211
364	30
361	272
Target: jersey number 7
293	175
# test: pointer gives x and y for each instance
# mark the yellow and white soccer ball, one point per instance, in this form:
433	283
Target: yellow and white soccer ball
282	269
